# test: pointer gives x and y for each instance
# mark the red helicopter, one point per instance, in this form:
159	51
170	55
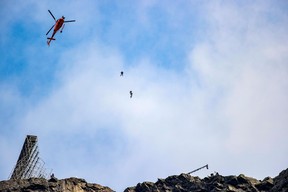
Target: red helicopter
59	23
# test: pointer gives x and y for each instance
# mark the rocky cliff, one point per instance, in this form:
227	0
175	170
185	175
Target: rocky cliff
216	182
52	185
176	183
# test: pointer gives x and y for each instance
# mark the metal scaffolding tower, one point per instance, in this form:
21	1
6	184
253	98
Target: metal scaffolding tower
29	164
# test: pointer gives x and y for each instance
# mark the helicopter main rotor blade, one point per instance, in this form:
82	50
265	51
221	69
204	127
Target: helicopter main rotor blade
52	15
69	21
49	30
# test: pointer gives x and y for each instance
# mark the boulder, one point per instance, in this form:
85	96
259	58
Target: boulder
40	184
214	183
281	182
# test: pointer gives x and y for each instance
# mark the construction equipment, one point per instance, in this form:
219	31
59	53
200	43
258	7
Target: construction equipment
29	164
198	169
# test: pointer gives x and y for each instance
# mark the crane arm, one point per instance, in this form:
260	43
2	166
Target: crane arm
198	169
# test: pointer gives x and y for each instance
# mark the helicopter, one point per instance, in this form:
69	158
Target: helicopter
58	24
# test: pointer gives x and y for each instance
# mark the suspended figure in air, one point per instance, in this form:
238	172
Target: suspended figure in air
131	94
58	24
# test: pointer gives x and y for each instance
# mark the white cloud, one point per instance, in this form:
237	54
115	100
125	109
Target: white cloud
243	61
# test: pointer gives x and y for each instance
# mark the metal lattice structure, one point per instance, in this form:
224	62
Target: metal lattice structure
29	164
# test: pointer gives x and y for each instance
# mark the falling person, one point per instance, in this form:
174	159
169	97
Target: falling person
121	74
131	94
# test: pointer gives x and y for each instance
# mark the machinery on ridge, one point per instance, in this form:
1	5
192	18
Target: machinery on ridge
198	169
29	164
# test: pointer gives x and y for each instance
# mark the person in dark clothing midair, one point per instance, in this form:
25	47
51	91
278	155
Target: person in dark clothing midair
131	94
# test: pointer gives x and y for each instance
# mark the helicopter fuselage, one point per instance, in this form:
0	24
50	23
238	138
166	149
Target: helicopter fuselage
58	24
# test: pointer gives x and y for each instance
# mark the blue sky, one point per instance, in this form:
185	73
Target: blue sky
209	80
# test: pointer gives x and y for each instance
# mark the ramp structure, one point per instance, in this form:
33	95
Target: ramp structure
29	164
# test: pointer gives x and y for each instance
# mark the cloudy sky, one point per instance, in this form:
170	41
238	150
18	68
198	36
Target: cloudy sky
210	84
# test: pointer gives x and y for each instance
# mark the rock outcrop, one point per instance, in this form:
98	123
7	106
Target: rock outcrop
176	183
281	182
216	182
53	185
